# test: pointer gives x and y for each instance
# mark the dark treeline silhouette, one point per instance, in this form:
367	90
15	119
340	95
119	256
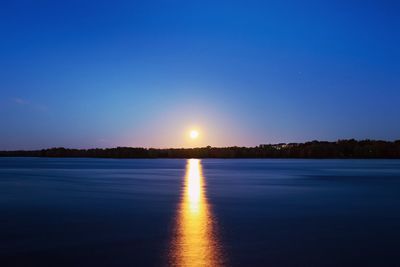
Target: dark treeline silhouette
315	149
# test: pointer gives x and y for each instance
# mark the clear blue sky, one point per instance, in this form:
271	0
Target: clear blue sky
141	73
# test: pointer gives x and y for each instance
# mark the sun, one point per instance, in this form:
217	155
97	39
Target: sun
194	134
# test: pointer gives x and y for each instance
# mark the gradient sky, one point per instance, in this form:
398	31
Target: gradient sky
141	73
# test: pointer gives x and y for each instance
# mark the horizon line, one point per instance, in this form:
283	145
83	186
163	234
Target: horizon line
209	146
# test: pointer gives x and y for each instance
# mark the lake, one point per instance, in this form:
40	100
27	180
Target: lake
209	212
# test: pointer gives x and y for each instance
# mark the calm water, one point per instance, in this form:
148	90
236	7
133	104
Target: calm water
105	212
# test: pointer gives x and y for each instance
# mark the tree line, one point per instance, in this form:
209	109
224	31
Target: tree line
315	149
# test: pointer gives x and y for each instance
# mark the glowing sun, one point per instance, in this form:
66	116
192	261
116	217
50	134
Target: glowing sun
194	134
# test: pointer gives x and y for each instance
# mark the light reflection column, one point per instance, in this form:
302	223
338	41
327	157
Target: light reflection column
195	242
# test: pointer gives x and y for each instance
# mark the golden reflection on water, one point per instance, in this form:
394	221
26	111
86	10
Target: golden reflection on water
195	242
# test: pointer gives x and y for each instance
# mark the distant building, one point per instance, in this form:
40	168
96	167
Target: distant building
278	146
275	146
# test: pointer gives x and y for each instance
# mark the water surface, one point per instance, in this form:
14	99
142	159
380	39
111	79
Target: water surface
106	212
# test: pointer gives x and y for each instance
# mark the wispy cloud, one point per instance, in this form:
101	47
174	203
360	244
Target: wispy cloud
24	102
20	101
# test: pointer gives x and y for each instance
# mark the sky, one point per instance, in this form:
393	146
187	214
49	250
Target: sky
85	74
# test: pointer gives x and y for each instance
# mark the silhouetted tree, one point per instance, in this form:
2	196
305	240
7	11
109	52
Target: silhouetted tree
314	149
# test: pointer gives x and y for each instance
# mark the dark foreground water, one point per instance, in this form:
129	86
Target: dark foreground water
105	212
